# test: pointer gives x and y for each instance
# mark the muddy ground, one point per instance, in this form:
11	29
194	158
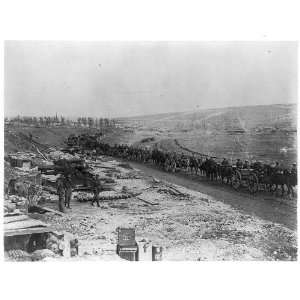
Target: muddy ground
196	221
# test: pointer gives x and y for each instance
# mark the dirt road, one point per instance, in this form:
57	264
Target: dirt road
266	207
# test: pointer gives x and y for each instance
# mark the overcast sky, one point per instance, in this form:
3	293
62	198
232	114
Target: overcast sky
136	78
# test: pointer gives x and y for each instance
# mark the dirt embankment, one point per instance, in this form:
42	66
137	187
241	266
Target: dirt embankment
17	138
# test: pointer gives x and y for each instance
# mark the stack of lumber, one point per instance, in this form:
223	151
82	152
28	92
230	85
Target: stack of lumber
21	224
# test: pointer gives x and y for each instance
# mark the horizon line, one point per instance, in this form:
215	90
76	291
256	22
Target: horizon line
151	114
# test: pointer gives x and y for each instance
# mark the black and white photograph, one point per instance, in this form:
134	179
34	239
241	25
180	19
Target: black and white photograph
150	151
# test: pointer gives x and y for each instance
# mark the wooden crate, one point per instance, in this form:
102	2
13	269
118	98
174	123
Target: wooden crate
127	247
130	253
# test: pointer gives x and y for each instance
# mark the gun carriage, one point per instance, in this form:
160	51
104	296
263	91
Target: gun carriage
248	178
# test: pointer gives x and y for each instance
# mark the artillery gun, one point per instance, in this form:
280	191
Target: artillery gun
81	175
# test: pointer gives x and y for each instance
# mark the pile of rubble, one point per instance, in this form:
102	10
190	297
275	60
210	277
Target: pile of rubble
26	238
130	175
14	204
59	155
17	159
82	196
83	227
55	245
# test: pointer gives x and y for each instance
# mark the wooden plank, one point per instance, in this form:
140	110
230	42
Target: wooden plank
16	212
24	224
174	189
26	231
38	150
109	168
49	210
147	201
10	219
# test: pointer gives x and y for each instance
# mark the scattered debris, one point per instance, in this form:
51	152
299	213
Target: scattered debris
131	175
147	200
168	191
17	255
175	190
13	202
106	195
125	165
204	199
47	209
59	155
41	254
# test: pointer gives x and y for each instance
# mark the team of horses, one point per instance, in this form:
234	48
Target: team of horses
269	178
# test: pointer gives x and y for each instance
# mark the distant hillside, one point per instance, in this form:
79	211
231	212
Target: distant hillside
265	132
280	116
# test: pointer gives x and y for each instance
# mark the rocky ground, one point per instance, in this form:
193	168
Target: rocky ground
188	224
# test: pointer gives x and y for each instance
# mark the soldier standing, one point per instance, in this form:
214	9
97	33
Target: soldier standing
294	169
12	187
246	165
68	190
239	164
294	178
277	168
225	162
257	165
97	188
61	194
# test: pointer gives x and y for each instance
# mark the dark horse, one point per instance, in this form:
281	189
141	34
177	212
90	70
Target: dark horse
291	181
225	172
194	166
210	168
282	179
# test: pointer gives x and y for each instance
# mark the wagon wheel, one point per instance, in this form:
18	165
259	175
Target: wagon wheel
252	183
236	180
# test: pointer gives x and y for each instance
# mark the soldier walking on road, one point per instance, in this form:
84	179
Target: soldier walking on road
97	188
